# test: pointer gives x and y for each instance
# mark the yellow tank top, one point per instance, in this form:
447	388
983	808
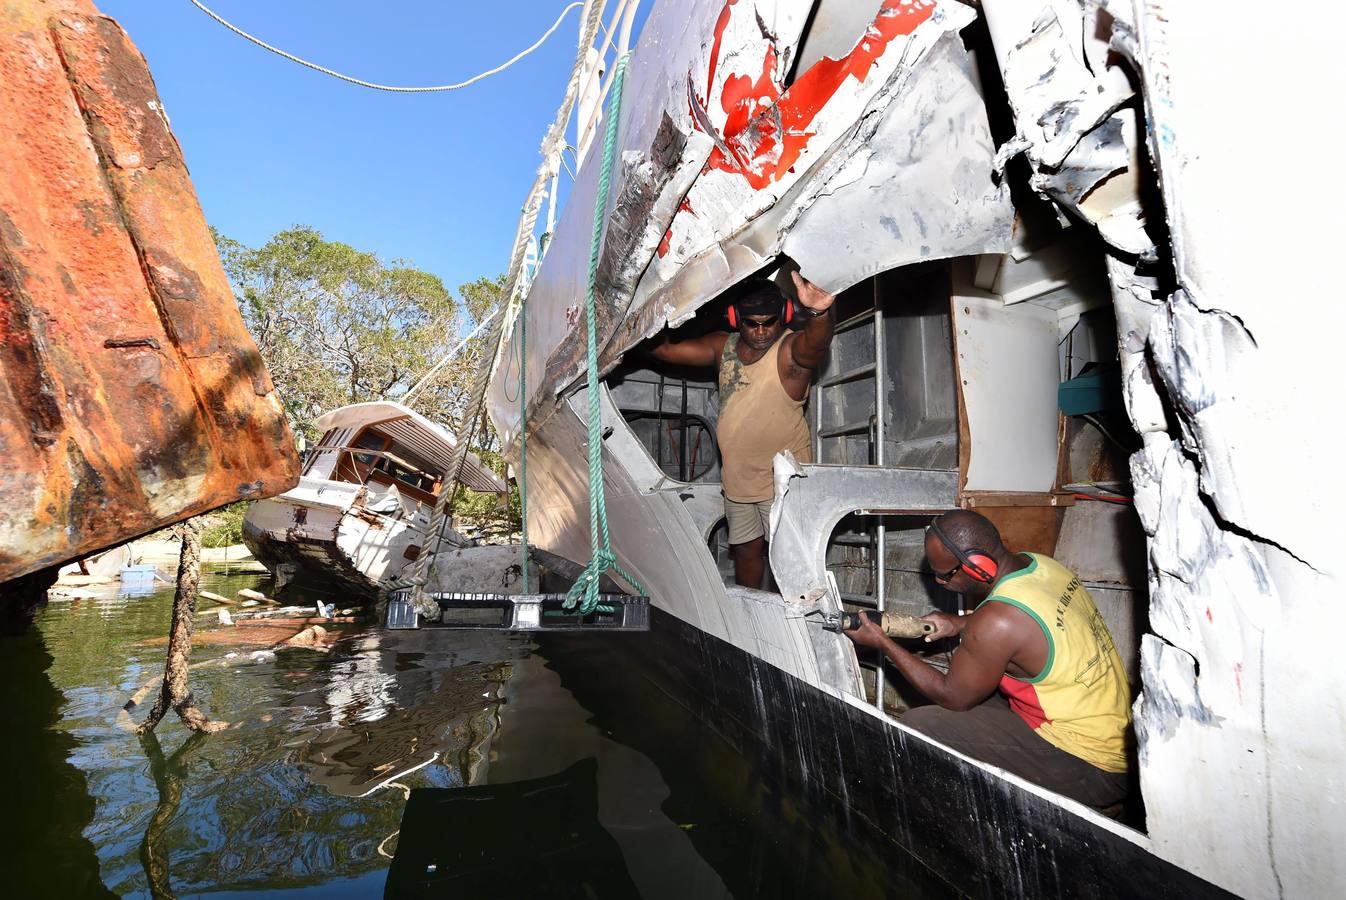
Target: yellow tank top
1080	701
758	419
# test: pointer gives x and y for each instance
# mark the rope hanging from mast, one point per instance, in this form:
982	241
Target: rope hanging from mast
585	590
552	145
523	447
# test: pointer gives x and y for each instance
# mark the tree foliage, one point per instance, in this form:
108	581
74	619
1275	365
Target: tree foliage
224	526
446	395
336	325
492	515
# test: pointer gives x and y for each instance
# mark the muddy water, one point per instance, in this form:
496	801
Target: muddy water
305	794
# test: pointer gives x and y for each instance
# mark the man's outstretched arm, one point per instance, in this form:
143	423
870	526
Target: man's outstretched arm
808	348
700	351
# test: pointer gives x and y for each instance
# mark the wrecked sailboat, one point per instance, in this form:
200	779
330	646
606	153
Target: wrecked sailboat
364	500
977	184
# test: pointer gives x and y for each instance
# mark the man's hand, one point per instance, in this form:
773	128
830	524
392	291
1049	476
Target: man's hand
946	626
869	634
810	295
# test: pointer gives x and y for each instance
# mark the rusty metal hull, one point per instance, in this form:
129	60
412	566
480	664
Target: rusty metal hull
131	395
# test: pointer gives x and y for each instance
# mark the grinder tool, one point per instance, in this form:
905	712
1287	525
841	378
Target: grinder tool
893	624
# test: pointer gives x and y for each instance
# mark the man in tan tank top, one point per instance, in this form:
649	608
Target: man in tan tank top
765	373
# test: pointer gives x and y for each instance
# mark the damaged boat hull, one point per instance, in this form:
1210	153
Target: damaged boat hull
132	395
987	833
1123	148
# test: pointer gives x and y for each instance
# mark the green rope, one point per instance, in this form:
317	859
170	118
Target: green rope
523	444
585	590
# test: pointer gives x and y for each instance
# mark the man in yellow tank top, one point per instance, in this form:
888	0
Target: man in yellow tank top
764	377
1036	685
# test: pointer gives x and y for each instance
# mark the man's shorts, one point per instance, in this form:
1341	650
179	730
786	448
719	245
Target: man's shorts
747	521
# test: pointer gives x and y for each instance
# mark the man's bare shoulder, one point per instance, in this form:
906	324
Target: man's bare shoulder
995	621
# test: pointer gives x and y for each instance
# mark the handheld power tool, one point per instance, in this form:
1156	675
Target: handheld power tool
893	624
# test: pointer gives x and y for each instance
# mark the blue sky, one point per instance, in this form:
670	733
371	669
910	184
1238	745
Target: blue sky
436	179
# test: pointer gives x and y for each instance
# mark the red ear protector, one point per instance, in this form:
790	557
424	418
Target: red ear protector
786	313
977	564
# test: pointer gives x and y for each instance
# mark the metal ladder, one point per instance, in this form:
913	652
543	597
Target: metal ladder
828	402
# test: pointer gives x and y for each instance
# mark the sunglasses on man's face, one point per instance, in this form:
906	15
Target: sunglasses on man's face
946	577
760	323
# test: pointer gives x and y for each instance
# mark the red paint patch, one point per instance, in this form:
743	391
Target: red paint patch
767	130
1238	680
742	98
720	25
1209	617
685	206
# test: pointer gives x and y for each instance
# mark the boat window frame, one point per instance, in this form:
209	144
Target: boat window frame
632	414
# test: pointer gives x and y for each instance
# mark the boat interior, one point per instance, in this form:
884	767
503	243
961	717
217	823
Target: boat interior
999	370
400	482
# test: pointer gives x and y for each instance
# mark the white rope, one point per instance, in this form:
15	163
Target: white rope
423	567
383	843
391	780
387	87
447	358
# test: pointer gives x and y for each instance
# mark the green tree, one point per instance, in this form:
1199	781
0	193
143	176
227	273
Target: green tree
482	296
446	393
493	515
336	325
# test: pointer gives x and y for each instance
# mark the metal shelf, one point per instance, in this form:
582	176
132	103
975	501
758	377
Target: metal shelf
854	321
852	540
865	600
865	371
849	428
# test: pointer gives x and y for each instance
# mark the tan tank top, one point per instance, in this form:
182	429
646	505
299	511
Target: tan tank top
758	419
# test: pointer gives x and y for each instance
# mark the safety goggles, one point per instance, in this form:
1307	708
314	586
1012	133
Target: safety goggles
761	324
946	577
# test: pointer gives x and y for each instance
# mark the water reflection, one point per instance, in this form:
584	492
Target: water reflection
43	850
290	798
564	764
168	774
540	838
385	722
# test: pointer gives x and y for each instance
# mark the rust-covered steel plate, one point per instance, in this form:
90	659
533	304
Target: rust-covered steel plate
131	394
